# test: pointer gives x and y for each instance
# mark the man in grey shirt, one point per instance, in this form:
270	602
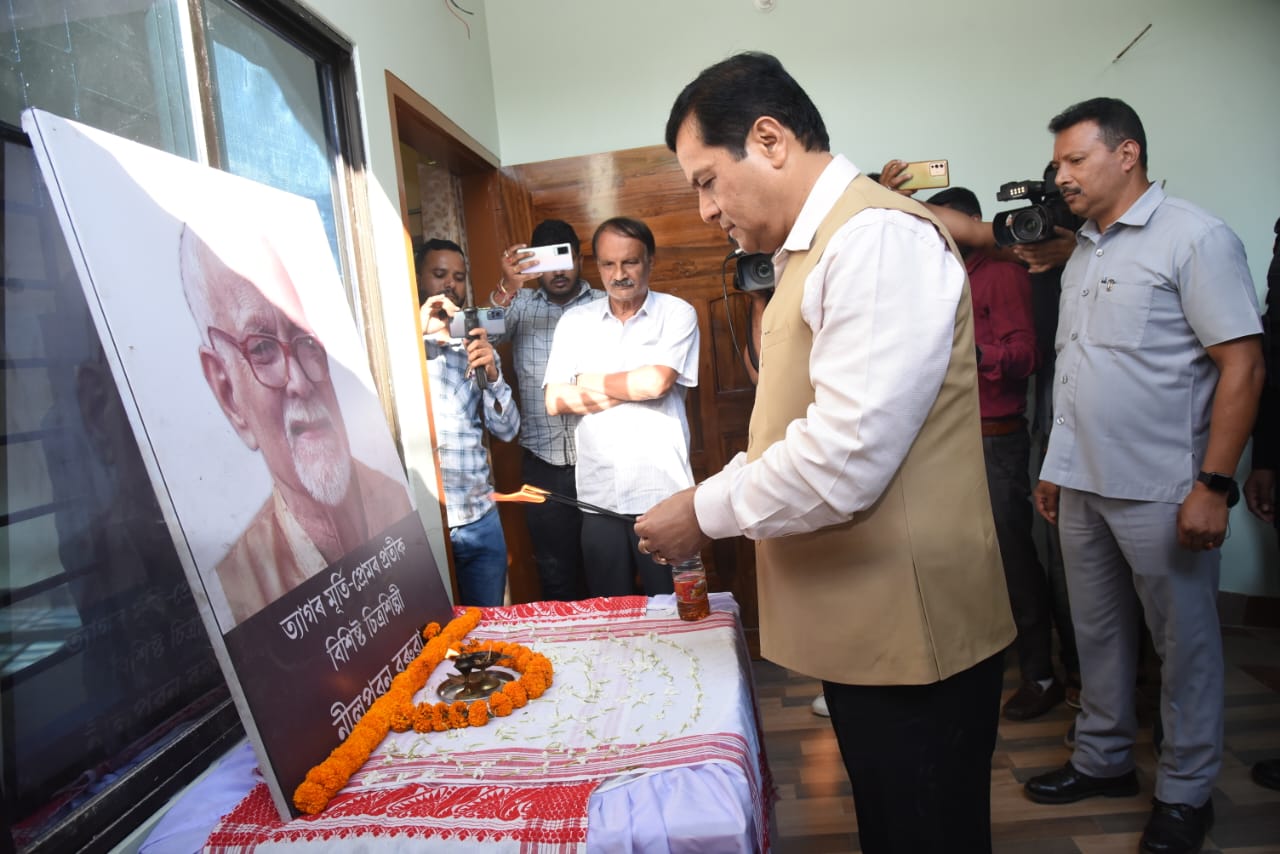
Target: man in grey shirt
549	454
1157	379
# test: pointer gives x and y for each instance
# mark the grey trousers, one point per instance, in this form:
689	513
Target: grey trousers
1102	538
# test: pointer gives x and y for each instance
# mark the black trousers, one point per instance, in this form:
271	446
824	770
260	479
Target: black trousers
1008	481
1059	602
555	530
919	759
611	551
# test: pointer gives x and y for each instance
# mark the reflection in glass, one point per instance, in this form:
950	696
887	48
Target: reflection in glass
103	657
116	66
270	111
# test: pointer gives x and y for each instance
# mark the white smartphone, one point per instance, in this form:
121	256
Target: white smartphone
558	256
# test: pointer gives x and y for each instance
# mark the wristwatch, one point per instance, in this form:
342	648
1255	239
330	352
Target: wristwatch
1223	483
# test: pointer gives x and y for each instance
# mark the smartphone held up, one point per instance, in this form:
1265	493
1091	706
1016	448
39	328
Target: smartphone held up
926	175
493	319
558	256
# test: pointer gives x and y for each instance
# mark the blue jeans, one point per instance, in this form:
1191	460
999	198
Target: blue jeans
480	558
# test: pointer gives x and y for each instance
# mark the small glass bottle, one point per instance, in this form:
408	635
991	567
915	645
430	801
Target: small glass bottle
690	580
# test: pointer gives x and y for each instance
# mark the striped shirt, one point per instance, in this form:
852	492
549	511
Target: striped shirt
531	325
463	457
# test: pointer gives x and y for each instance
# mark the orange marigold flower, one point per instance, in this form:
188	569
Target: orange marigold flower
310	798
440	717
348	751
500	704
326	776
516	692
396	710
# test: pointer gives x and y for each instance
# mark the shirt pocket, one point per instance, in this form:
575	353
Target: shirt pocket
1118	319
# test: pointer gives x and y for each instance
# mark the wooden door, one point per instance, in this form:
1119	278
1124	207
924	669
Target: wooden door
496	211
646	183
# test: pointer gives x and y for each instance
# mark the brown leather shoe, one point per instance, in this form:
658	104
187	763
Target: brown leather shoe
1176	828
1067	785
1032	701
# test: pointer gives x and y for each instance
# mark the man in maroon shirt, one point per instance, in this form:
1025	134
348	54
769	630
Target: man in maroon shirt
1004	332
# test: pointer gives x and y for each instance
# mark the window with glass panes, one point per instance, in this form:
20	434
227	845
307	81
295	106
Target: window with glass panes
110	697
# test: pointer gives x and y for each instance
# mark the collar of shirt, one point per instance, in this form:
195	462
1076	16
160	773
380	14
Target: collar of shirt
976	259
584	288
825	192
305	553
606	311
435	349
1138	214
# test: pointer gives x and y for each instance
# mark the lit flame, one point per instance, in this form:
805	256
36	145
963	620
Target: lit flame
453	653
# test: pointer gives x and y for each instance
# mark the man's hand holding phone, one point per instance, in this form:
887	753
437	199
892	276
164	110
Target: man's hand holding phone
522	262
905	178
438	314
516	259
480	354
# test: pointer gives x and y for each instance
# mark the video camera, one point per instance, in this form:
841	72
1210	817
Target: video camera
1035	223
754	273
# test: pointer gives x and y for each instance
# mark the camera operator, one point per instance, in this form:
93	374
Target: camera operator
479	548
1042	255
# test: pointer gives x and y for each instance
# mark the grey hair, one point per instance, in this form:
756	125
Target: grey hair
193	255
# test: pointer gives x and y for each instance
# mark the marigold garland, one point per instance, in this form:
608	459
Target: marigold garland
396	711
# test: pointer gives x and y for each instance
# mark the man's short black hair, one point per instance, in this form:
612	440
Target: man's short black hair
1116	120
435	244
552	231
627	227
726	99
958	199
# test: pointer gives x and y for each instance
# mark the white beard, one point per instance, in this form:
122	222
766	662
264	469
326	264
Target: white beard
323	467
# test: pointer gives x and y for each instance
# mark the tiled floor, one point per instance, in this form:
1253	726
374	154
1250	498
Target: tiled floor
814	812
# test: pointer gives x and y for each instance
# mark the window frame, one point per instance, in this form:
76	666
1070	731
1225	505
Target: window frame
214	725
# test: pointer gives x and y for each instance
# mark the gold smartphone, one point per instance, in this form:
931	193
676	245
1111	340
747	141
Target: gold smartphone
926	175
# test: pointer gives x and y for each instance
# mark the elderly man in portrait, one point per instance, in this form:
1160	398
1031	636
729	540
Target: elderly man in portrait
271	376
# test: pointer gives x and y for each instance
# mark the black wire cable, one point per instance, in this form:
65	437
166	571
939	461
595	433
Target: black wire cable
724	288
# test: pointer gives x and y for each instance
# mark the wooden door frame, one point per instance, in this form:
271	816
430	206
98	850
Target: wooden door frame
495	210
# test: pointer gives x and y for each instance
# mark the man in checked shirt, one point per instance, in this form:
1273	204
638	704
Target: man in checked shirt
462	410
549	453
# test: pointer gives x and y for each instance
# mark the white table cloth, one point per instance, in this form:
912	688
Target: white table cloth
648	740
